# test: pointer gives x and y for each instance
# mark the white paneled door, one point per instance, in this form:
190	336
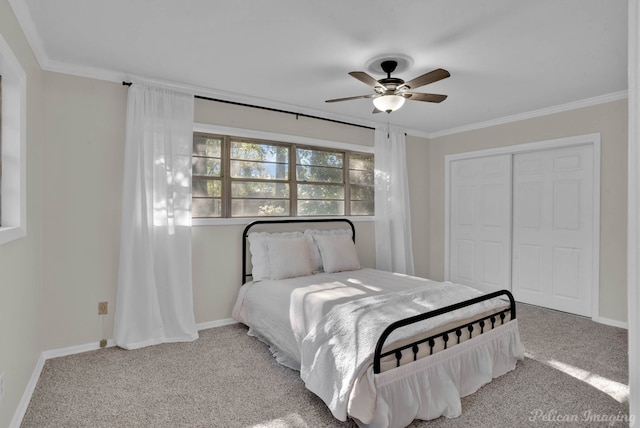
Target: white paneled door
526	219
553	228
480	233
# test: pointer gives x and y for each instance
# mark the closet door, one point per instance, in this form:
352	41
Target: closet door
480	222
553	227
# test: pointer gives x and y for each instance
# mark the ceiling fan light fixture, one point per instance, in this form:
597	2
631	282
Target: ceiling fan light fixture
388	103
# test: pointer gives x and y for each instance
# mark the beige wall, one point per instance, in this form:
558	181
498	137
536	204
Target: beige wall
417	158
609	119
82	197
21	260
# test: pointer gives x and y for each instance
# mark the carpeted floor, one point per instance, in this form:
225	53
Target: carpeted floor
574	374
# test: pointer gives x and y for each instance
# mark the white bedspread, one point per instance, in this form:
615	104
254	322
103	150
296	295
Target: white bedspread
340	347
281	313
327	325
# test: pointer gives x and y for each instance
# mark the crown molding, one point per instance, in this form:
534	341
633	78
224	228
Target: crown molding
588	102
21	11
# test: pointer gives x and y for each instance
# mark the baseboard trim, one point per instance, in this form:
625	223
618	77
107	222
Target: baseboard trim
78	349
21	410
214	324
613	323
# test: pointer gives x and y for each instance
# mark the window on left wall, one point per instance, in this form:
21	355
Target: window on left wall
13	90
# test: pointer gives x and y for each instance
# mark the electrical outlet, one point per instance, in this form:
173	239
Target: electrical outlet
102	308
1	385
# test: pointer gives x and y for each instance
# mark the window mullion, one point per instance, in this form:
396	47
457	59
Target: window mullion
226	177
293	181
347	185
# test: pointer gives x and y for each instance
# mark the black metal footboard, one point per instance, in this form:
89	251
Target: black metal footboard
430	341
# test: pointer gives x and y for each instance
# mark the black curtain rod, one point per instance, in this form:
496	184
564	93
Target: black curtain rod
274	109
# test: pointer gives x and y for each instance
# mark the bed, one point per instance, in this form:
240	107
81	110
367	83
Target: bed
378	347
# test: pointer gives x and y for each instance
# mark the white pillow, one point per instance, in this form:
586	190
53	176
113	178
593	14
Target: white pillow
288	257
316	258
258	249
314	252
338	253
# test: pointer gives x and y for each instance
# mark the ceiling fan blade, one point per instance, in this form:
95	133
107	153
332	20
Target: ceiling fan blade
431	98
425	79
351	98
375	110
366	79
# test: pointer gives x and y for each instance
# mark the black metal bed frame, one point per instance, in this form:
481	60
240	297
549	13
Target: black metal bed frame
414	346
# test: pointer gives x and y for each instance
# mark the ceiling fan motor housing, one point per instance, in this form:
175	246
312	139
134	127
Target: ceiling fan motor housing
391	84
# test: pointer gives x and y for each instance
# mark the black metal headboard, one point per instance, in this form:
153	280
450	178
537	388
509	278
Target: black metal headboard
245	234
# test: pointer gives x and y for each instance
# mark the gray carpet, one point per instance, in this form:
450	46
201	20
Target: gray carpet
574	374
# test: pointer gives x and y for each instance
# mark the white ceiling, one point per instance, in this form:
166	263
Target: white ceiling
506	57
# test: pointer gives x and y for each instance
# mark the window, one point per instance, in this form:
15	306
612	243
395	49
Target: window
259	174
13	89
207	177
245	177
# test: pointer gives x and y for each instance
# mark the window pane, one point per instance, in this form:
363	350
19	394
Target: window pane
206	166
361	177
306	208
320	191
205	207
261	170
259	152
259	189
319	174
362	193
361	162
259	207
319	158
204	187
205	146
362	208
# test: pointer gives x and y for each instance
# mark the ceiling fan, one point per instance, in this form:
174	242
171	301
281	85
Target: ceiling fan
391	92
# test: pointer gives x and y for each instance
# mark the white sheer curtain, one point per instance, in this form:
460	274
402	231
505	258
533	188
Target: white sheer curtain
154	297
394	251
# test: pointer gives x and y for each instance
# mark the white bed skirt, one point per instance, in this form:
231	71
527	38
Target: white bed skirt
432	387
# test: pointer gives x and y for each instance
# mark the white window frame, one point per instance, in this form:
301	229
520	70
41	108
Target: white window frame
270	136
14	159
